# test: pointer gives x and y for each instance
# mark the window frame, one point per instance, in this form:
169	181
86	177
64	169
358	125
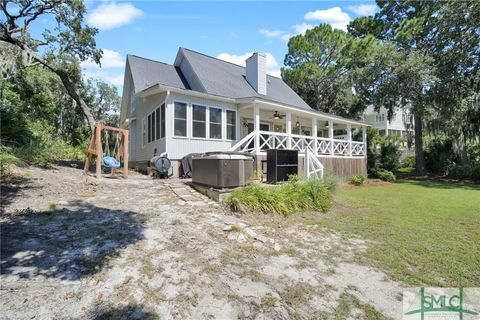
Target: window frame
216	123
206	122
227	124
187	120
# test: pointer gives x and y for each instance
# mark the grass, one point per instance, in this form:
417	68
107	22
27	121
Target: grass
422	232
348	301
285	199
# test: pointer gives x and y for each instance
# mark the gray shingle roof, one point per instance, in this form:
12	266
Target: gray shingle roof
227	79
147	73
218	77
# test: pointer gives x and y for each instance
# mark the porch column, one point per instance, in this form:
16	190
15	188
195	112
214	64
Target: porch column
349	139
364	140
256	127
314	135
330	136
289	130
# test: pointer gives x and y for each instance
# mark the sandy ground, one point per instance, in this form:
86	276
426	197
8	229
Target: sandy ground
135	249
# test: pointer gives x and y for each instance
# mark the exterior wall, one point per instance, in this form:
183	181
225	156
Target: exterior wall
178	147
144	107
397	121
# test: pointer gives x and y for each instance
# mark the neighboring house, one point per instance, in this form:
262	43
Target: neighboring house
401	123
202	104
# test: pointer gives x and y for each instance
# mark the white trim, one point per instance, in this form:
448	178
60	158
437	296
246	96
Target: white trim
206	107
173	120
221	124
247	101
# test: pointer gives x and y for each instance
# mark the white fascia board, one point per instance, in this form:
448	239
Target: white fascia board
246	101
243	102
161	88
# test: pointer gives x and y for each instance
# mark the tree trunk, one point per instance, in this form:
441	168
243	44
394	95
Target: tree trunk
419	155
75	94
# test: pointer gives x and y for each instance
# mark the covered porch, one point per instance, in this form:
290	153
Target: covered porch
265	125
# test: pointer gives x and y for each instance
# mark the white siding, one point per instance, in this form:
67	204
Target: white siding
178	147
144	107
397	121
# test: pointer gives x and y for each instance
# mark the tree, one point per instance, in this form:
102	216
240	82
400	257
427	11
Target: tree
105	101
319	68
63	46
444	38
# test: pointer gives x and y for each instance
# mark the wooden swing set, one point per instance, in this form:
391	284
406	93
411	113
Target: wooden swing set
110	159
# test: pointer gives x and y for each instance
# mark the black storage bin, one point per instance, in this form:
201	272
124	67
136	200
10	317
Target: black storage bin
281	164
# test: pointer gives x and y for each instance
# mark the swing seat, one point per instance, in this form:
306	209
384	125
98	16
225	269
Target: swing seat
111	162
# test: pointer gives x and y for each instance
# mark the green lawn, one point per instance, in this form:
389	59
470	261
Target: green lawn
423	232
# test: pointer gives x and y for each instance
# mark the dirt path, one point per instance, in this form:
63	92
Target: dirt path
134	249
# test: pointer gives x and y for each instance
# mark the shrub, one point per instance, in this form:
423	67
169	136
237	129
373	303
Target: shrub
440	156
389	153
408	162
467	171
383	174
288	198
357	179
7	158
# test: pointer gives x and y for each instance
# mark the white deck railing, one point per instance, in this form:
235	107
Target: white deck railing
312	166
318	146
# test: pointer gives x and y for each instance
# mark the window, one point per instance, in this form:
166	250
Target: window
199	121
157	124
231	125
215	123
162	121
180	121
149	128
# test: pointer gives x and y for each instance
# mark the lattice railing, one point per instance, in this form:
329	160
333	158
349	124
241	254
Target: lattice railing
319	146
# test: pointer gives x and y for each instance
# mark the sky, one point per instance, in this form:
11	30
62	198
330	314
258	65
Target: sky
228	30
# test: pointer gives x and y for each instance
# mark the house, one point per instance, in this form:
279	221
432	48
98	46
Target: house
400	124
202	104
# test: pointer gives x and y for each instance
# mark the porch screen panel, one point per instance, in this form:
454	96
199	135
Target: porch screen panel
162	121
180	123
199	121
157	124
231	125
215	123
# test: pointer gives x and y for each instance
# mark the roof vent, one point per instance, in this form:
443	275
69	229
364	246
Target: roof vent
256	72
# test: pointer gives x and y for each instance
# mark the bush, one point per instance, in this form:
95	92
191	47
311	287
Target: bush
7	158
357	179
383	174
390	153
288	198
440	156
467	171
408	162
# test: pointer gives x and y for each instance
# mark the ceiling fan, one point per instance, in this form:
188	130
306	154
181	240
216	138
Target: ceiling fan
277	115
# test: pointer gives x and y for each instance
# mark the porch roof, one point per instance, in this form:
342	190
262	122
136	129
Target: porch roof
250	101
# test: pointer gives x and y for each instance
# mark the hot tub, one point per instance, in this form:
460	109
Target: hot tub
222	169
